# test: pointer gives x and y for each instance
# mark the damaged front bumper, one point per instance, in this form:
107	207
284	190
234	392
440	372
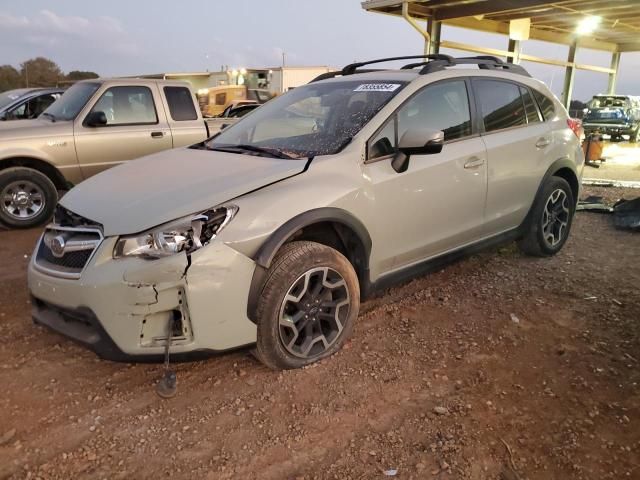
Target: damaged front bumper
121	308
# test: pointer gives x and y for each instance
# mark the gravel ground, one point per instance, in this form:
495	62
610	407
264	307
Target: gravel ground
498	367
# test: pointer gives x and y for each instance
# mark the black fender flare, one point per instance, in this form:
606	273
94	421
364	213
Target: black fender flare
267	252
555	167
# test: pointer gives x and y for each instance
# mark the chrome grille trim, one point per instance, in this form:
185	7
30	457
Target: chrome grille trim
71	245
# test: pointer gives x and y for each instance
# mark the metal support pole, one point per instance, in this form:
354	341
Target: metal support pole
414	24
515	48
433	29
613	77
569	75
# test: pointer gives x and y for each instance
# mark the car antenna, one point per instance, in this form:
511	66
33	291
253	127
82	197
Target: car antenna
167	385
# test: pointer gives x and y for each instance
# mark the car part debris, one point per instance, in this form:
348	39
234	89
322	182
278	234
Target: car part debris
601	182
167	385
626	212
627	215
593	204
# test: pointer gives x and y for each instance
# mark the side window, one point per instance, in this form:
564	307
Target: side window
384	142
41	103
529	106
500	103
180	103
221	98
546	105
239	112
20	112
443	106
127	106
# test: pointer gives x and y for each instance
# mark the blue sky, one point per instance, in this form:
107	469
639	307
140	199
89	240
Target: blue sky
144	36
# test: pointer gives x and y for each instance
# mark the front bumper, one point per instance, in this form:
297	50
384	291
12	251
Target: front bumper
121	308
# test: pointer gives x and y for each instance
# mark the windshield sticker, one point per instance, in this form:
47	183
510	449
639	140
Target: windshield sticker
377	87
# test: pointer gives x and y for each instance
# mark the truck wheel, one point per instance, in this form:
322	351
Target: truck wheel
308	306
635	135
27	197
551	217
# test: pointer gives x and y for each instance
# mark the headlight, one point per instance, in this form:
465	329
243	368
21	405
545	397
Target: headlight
187	234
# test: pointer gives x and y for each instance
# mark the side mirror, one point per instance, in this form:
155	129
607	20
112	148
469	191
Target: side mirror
417	141
224	125
96	119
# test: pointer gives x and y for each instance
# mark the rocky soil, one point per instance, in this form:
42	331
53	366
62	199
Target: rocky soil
498	367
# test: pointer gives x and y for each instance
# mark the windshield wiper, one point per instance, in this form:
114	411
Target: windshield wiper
252	148
50	115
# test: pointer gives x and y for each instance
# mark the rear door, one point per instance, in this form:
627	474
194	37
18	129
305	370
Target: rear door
185	121
135	127
437	204
518	143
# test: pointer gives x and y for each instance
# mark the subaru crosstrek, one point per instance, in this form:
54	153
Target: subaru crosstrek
271	232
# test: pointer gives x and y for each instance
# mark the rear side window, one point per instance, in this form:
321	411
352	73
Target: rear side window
500	104
180	103
530	108
546	105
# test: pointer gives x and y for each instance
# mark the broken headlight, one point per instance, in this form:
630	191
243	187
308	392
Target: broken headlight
187	234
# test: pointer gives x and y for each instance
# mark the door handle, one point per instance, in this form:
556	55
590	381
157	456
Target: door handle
157	134
473	162
542	142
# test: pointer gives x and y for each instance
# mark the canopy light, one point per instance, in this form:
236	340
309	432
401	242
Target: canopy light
588	25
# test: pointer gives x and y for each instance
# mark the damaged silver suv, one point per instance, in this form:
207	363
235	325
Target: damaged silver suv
271	232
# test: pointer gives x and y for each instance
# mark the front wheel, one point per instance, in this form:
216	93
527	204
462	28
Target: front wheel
550	221
308	306
27	197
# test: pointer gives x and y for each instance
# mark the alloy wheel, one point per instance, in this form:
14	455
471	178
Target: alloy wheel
314	312
22	200
555	217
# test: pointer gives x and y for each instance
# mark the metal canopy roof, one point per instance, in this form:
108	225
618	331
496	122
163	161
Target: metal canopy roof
551	21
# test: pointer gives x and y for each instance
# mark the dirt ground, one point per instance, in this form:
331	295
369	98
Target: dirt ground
497	367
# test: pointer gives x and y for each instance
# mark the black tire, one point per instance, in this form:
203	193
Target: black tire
536	240
635	135
296	269
40	193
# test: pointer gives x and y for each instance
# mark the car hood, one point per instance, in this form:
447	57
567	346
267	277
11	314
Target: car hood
17	129
159	188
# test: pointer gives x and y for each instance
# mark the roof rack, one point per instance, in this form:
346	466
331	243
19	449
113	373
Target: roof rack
430	64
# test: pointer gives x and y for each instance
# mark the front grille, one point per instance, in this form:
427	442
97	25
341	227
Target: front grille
65	251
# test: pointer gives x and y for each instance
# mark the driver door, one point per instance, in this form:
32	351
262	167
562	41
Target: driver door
437	204
133	129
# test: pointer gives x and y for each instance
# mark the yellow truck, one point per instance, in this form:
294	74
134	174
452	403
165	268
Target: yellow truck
214	100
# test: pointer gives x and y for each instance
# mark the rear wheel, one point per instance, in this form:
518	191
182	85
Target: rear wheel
308	306
27	197
551	218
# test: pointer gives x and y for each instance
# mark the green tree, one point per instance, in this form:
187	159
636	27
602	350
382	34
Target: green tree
40	72
9	78
81	75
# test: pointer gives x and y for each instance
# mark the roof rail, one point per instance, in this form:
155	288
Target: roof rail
352	67
484	62
430	64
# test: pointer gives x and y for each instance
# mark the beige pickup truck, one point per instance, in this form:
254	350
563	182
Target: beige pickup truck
95	125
